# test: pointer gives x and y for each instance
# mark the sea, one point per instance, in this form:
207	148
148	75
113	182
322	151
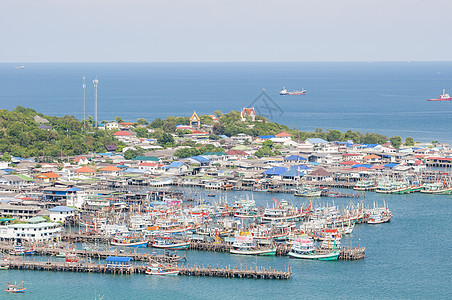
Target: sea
407	258
382	97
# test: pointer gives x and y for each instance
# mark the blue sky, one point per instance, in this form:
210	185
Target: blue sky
226	30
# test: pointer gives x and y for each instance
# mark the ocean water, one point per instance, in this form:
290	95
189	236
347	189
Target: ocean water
383	97
407	258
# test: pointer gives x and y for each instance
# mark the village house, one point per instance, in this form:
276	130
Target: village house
61	213
48	177
81	160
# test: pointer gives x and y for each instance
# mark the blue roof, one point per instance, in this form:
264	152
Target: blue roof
293	173
266	136
294	157
200	158
61	208
361	165
74	189
390	165
317	141
300	167
369	145
118	259
175	164
275	171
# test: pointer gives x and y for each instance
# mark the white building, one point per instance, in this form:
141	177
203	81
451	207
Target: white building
30	231
61	213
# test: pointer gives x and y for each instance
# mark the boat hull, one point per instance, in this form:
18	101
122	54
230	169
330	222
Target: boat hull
134	245
180	246
166	273
268	252
327	256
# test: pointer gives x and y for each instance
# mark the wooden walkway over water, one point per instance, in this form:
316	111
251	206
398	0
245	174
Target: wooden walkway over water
209	271
99	254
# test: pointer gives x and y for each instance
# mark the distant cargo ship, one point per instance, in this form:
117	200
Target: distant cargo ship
443	97
20	67
285	92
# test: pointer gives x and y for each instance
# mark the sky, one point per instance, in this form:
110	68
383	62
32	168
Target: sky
224	30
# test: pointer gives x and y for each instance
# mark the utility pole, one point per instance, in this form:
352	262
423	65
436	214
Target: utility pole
95	81
84	110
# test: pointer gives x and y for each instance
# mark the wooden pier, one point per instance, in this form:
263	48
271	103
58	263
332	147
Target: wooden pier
227	272
97	254
352	253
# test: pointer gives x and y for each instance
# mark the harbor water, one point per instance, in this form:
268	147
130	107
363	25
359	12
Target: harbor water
383	97
405	259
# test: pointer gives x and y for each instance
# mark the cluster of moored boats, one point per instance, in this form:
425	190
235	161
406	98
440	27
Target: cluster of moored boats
387	186
311	232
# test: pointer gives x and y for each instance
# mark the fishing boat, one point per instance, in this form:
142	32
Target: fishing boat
129	242
437	188
308	191
442	97
166	243
285	92
304	248
378	215
4	267
14	288
365	185
19	249
281	211
162	270
245	245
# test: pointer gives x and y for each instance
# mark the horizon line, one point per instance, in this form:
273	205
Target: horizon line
235	61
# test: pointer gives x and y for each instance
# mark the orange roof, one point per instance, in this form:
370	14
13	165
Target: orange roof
110	169
85	170
126	123
371	156
283	134
248	111
78	158
122	133
47	175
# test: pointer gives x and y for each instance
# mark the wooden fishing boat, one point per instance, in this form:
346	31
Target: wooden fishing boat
14	288
305	249
137	243
245	246
162	270
166	243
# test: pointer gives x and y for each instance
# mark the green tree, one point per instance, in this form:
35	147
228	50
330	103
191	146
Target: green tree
119	120
409	141
333	135
142	121
141	132
396	141
166	140
218	113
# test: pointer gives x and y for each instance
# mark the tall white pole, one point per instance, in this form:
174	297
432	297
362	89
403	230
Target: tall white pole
95	81
84	114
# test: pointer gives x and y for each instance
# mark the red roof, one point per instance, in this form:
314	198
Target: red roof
199	132
351	154
236	152
78	158
441	158
377	167
122	133
85	170
283	134
348	162
248	111
51	175
110	169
